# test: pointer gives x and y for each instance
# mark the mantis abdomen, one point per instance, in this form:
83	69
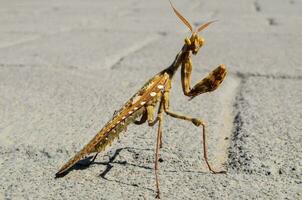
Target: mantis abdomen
128	114
104	138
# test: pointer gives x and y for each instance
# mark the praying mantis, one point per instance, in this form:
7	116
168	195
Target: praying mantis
156	93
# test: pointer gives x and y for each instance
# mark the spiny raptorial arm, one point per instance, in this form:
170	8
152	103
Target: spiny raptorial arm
207	84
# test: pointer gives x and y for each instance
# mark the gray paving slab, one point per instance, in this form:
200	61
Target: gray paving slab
56	16
259	54
267	134
65	67
69	46
267	140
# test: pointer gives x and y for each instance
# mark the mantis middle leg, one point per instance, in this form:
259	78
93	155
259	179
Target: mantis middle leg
195	121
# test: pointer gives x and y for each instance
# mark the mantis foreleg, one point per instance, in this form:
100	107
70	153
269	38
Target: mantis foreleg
208	84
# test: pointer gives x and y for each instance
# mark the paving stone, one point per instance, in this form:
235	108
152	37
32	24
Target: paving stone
267	137
65	67
77	49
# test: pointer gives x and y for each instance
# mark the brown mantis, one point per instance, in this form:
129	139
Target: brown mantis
156	92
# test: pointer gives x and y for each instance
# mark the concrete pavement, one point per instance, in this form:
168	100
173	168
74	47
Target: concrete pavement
65	67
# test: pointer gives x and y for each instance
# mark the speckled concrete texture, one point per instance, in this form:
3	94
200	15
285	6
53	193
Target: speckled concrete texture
66	66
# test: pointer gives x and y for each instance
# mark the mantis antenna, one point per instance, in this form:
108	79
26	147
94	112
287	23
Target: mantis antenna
205	25
181	17
185	21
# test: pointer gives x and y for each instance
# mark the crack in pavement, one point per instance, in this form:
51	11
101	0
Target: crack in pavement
240	158
39	36
272	76
118	58
221	150
237	154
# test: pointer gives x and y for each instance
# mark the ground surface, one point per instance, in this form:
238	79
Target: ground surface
65	66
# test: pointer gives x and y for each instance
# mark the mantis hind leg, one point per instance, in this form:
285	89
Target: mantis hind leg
152	122
149	116
158	145
196	122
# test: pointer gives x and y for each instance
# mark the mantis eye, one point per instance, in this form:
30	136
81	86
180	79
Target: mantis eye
201	41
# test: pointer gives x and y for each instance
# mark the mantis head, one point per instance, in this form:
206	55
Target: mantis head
195	42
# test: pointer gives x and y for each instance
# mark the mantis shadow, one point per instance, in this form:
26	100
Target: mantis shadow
88	161
81	165
112	159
